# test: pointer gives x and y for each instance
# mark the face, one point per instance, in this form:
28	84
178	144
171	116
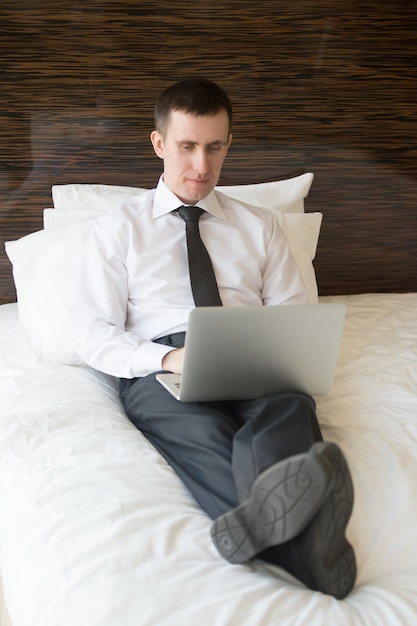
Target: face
193	150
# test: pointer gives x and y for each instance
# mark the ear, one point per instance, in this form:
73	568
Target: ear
158	143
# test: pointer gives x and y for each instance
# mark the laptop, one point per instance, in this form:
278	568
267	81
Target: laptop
238	353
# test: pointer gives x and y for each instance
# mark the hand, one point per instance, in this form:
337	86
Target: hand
173	361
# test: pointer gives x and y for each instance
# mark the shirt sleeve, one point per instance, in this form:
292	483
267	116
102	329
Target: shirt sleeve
98	308
282	279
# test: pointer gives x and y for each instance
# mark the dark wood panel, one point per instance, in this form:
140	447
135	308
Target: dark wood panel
330	87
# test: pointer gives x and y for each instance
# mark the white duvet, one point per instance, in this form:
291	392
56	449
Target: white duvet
96	529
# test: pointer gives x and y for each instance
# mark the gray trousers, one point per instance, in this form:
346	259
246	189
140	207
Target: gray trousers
219	448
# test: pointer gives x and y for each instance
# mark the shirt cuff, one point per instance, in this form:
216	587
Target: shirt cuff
147	359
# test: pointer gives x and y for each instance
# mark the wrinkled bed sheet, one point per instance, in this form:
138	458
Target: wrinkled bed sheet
97	530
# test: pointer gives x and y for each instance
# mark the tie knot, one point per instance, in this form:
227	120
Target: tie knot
190	213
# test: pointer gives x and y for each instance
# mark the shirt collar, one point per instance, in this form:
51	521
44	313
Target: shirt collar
165	201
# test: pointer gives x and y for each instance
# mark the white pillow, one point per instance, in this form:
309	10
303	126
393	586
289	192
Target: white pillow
56	219
282	195
44	266
93	197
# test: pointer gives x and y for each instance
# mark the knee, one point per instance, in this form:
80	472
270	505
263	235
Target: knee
286	413
287	404
303	417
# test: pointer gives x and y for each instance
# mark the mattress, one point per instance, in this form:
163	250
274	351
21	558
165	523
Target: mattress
97	530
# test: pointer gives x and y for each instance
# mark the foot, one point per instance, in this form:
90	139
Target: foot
282	502
321	556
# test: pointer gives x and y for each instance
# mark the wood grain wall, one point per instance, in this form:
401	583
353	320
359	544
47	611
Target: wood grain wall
324	85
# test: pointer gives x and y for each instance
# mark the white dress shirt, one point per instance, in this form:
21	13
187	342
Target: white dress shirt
134	284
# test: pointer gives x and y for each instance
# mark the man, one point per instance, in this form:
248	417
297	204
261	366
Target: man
259	468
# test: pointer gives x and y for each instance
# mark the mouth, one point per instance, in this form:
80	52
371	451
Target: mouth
199	181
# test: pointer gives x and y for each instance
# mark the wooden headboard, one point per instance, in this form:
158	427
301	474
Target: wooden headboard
327	86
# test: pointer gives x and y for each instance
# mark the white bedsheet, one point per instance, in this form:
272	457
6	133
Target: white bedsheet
96	530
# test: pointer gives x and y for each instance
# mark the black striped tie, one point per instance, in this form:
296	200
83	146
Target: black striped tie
202	277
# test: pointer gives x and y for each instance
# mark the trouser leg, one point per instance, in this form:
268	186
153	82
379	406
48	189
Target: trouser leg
275	427
218	449
195	438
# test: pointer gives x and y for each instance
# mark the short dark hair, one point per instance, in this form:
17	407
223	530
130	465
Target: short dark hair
198	96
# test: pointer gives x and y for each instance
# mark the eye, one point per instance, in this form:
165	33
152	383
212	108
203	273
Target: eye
215	147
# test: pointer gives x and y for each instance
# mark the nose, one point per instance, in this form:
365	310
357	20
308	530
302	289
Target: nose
201	162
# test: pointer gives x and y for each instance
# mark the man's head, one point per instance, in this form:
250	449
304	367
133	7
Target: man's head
197	96
192	135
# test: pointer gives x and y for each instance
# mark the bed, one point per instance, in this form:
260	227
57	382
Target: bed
95	527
